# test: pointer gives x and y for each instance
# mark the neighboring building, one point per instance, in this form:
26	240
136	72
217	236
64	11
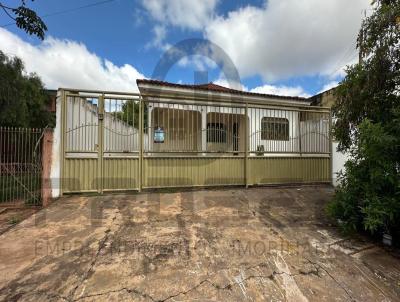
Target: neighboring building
51	105
324	99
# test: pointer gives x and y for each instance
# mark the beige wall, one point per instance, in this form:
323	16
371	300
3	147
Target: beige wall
328	99
182	129
228	120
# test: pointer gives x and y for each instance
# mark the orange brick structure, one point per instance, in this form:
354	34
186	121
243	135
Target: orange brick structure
46	166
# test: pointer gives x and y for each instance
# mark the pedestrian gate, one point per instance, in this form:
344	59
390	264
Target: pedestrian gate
113	141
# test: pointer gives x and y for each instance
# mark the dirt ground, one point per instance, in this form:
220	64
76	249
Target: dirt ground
259	244
13	214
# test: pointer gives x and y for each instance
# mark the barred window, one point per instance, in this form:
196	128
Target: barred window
275	128
216	133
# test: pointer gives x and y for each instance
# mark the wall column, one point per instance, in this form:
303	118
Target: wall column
57	166
47	149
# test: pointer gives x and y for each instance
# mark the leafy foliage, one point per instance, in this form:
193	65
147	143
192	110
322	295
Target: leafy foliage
26	19
369	192
23	99
367	126
130	113
29	21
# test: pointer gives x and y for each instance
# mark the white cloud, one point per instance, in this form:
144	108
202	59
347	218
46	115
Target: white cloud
159	36
181	13
232	83
328	86
66	63
266	89
160	32
289	38
198	62
281	90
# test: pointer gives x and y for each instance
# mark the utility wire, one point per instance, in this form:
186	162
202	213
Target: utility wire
348	55
68	10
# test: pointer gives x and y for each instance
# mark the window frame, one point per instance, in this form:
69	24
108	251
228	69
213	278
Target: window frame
213	133
277	128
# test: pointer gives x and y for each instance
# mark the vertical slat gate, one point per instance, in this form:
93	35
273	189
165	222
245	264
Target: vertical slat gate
100	141
20	166
115	141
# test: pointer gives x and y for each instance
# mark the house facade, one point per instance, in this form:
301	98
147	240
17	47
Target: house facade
213	128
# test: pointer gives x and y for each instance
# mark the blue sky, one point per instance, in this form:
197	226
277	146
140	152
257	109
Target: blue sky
278	46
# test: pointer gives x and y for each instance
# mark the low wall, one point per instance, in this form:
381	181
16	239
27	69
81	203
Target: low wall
338	161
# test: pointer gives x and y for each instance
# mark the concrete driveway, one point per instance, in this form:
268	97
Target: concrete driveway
259	244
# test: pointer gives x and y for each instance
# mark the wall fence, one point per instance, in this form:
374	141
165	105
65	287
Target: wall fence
20	166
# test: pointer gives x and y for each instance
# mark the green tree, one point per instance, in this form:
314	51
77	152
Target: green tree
130	114
367	126
26	19
23	99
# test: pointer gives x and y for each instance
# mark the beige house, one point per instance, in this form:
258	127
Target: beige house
220	126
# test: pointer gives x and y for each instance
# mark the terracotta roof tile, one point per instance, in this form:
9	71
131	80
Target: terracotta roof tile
217	88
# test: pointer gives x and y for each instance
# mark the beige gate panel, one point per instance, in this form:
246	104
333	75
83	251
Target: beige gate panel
80	175
274	170
160	172
120	174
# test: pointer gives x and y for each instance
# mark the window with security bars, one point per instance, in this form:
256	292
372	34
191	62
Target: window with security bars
275	128
216	133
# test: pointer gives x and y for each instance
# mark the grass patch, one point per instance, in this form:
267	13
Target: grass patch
14	220
21	187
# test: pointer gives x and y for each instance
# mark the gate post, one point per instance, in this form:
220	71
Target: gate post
141	137
63	127
100	150
246	146
299	129
46	158
330	148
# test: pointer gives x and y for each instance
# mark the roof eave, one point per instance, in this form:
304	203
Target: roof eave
148	88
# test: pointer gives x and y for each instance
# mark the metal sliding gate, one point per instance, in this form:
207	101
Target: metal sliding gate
100	141
114	141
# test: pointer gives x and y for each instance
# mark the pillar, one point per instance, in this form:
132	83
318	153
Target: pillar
47	149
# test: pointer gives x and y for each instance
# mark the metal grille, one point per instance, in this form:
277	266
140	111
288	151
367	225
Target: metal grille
197	128
20	166
194	128
81	124
121	122
282	131
120	116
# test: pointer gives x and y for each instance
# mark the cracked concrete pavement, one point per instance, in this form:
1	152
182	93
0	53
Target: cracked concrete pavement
257	244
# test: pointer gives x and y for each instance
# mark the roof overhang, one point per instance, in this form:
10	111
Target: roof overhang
153	91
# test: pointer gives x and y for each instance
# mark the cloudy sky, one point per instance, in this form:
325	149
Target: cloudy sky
286	47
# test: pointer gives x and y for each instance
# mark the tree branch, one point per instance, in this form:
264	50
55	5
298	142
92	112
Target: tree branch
5	10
